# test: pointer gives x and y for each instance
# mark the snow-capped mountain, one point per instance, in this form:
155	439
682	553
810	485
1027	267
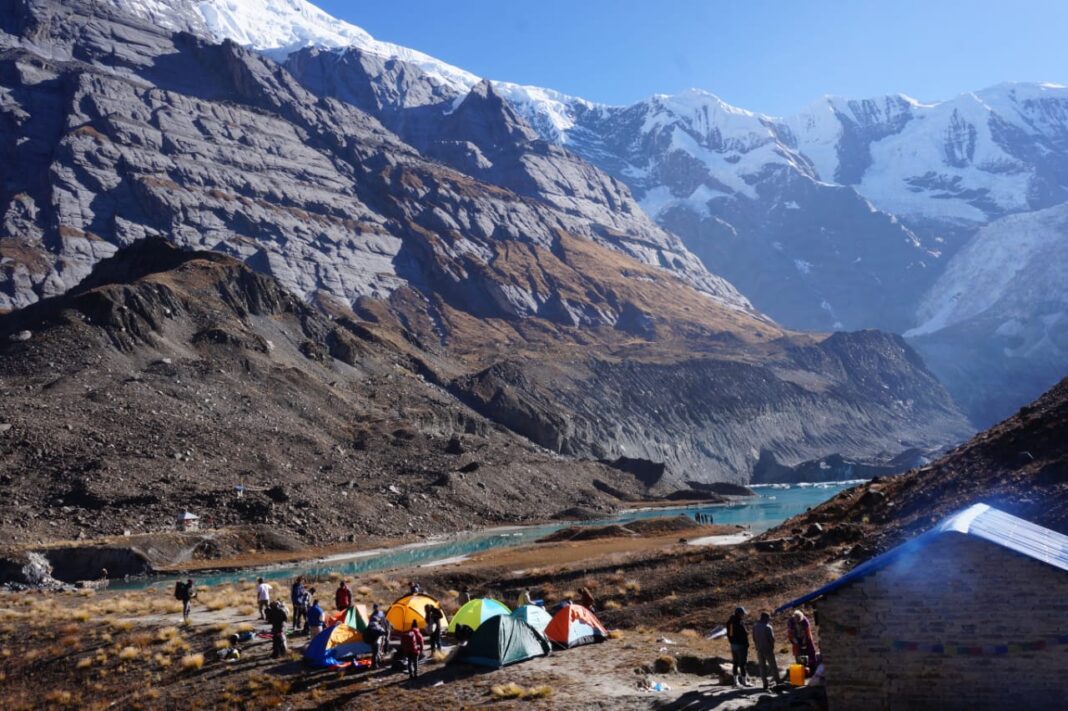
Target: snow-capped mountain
841	216
1001	308
523	282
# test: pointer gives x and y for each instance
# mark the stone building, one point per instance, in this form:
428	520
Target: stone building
971	615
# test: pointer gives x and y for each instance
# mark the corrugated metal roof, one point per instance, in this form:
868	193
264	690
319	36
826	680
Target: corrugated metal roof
979	520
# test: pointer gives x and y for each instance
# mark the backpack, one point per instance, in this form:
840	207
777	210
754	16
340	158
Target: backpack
179	590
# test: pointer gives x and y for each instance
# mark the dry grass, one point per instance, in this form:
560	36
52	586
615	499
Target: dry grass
512	690
615	634
632	586
364	590
612	605
127	654
59	697
665	664
192	662
690	633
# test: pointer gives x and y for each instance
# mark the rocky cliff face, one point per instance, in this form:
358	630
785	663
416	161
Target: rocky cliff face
1020	466
168	378
481	252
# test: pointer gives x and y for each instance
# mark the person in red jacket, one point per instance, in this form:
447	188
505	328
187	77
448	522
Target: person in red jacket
343	596
412	649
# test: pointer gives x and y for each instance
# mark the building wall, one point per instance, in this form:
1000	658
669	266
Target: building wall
960	590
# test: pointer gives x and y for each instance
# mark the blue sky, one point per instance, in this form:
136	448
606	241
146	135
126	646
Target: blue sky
764	55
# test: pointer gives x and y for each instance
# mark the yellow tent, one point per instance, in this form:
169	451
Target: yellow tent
409	609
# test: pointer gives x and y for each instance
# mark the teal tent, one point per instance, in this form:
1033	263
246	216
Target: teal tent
534	616
503	640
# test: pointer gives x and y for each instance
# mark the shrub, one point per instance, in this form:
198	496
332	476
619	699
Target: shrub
511	690
192	662
59	697
633	586
84	663
665	664
690	633
127	654
167	633
161	660
612	605
246	610
245	627
615	634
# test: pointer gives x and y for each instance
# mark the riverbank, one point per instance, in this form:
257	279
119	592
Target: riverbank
662	597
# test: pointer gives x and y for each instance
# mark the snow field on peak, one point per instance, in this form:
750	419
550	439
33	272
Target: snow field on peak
1006	255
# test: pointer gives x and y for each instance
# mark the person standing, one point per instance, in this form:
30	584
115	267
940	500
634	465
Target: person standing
263	597
296	596
433	616
738	637
374	636
412	649
186	592
277	617
764	641
314	619
343	596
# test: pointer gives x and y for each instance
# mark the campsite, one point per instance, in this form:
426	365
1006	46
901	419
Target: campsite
131	646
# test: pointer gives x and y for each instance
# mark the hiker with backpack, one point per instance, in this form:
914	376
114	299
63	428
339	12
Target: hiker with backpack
412	649
185	592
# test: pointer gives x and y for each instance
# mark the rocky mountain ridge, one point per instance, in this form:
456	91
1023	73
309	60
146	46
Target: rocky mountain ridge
843	216
532	298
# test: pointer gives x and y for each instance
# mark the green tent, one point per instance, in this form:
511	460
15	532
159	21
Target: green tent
503	640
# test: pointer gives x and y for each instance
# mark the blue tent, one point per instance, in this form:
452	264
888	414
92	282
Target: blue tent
336	646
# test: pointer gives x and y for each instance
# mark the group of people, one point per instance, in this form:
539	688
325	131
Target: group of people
798	634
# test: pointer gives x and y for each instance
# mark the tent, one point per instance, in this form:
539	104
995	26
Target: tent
574	625
336	646
355	616
503	640
477	611
409	609
534	616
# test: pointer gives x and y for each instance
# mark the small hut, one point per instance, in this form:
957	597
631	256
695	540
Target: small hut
971	615
188	521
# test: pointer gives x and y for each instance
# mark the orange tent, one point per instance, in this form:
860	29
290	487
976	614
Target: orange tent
574	625
409	610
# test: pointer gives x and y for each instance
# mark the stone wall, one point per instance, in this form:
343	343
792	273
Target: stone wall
957	590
